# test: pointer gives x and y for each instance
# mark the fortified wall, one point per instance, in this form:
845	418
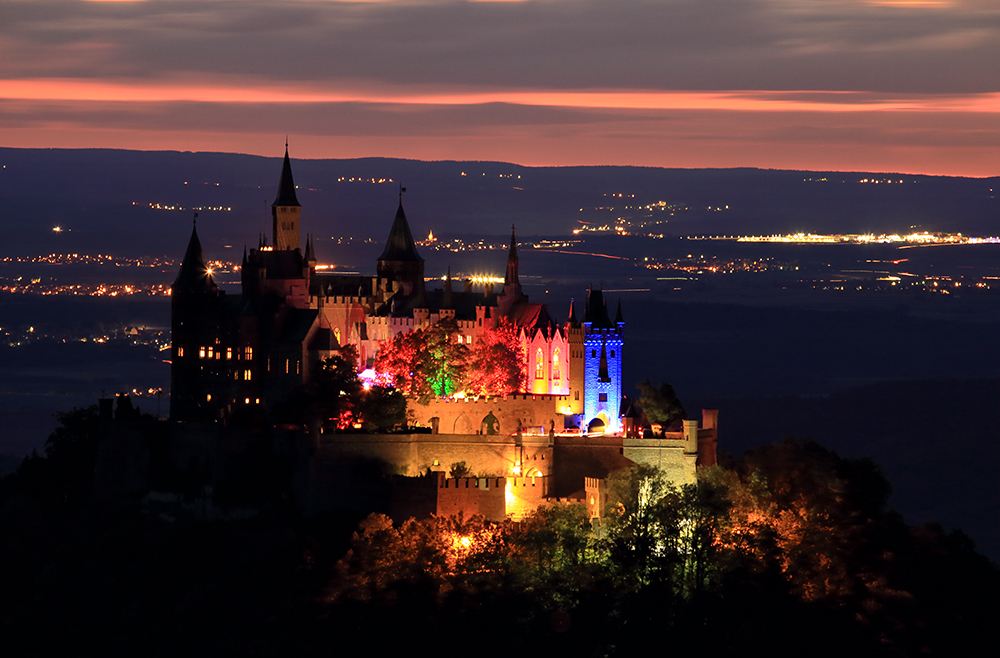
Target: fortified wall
414	454
492	415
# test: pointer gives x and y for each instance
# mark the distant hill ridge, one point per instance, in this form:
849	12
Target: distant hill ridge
104	197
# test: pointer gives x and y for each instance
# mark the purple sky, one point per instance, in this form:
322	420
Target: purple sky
883	85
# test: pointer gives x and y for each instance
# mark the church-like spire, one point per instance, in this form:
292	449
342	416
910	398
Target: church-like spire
602	371
311	255
618	316
572	312
400	244
511	276
194	275
449	297
286	186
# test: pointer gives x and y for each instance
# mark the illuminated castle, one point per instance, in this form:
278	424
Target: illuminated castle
239	363
248	353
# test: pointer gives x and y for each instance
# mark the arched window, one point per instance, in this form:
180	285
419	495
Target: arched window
555	365
539	363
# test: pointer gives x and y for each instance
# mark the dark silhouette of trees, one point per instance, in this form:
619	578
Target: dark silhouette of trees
660	404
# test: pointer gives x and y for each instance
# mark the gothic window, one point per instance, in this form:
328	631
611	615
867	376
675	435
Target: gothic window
539	363
555	365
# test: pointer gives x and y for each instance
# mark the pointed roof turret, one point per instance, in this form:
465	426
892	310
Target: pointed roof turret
602	371
449	297
597	311
572	312
194	275
618	316
286	186
310	254
400	244
511	276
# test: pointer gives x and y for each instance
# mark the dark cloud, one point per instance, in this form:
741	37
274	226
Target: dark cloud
679	44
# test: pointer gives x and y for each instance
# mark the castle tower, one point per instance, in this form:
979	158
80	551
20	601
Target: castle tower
399	260
602	358
574	336
195	336
286	211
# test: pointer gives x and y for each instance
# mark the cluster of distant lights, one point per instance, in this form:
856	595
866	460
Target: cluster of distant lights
863	181
89	259
170	206
36	287
513	176
868	238
361	179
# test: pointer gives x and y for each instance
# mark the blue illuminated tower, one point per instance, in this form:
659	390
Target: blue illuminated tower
603	339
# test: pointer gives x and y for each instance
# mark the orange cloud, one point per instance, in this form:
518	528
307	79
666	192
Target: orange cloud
49	89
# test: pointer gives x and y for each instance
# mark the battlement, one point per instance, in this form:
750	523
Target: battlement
471	483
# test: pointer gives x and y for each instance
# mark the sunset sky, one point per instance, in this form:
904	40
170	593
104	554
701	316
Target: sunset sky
863	85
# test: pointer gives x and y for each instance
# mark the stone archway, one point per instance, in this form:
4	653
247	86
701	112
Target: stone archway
463	425
596	426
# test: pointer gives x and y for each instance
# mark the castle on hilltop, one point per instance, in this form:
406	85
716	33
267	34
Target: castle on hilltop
255	349
245	355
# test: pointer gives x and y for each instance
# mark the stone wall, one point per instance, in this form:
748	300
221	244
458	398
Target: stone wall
537	414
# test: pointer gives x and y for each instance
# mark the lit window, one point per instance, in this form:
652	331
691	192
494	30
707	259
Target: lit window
555	365
201	352
210	355
468	340
229	353
539	366
246	375
248	353
287	361
180	351
208	397
461	339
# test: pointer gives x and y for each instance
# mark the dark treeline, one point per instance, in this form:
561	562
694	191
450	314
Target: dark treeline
791	550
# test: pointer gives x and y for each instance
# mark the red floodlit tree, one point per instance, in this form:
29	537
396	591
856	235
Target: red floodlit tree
498	363
425	362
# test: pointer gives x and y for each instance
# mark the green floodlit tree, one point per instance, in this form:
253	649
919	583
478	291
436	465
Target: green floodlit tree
425	362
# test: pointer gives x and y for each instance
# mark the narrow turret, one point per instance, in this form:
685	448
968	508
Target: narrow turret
286	211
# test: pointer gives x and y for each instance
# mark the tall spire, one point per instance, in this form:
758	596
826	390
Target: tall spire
618	316
400	244
286	186
449	299
572	312
194	275
602	370
511	276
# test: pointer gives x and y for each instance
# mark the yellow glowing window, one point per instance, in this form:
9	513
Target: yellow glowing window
210	355
248	353
201	352
208	398
461	339
555	364
286	365
229	353
246	375
180	351
539	363
468	340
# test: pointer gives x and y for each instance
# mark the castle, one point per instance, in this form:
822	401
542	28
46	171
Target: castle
238	356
